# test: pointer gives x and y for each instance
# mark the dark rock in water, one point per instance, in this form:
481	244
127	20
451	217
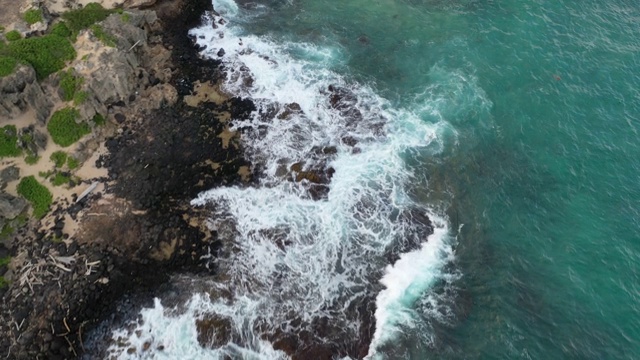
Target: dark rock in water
214	330
345	101
363	39
221	52
290	109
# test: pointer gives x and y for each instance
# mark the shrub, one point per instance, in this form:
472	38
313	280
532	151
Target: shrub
6	231
47	54
32	16
7	65
45	175
13	35
37	194
85	17
69	85
63	127
103	36
31	158
72	162
61	29
9	141
80	97
99	120
5	260
58	158
60	179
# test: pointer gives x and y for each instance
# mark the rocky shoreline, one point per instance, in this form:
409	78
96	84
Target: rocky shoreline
166	139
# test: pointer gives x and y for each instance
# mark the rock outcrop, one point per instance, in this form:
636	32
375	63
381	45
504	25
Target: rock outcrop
21	92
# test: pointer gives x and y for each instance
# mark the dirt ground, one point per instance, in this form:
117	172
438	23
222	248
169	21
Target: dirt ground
10	11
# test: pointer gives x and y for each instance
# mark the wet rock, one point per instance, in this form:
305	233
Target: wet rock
289	110
221	52
214	330
345	101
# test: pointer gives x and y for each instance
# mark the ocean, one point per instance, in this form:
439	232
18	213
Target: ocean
465	173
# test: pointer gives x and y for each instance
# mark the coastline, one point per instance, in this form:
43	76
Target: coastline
136	228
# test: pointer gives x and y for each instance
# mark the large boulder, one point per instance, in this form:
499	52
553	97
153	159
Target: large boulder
20	92
112	74
8	175
11	206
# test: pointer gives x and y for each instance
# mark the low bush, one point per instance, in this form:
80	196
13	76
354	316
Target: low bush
83	18
80	97
72	163
13	35
58	158
9	142
37	194
69	85
99	120
7	65
32	16
47	54
106	38
63	128
60	179
31	158
61	29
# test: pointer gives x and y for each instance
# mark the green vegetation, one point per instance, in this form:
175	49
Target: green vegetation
37	194
7	230
31	158
63	127
1	29
103	36
47	54
7	65
69	84
80	97
60	179
45	175
5	260
99	120
72	162
61	29
83	18
9	141
125	17
13	35
58	158
32	16
26	137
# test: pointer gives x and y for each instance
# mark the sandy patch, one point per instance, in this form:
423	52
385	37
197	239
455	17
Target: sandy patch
206	92
226	137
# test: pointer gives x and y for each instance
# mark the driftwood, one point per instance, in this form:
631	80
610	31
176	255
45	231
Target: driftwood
87	191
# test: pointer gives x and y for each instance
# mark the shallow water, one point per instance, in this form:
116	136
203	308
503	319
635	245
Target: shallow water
512	124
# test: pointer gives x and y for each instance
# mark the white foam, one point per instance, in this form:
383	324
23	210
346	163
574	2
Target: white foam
332	251
406	281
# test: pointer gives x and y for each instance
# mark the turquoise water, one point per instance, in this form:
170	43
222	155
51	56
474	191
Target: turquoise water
540	166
